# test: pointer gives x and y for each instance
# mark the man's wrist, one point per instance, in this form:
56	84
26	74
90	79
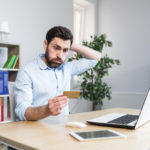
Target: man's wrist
74	47
47	110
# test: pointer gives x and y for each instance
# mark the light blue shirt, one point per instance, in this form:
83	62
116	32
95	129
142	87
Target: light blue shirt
36	83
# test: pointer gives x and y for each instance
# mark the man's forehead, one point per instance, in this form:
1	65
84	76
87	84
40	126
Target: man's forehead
61	42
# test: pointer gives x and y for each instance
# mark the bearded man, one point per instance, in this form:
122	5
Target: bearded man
40	84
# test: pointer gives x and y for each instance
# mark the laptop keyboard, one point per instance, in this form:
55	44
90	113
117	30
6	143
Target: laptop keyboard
125	119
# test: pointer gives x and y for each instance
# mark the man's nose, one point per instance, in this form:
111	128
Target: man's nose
60	54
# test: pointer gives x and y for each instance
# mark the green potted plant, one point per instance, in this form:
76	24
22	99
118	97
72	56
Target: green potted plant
93	88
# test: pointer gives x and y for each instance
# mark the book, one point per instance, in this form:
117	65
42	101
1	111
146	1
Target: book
0	109
5	82
6	63
5	107
14	65
1	82
12	100
11	61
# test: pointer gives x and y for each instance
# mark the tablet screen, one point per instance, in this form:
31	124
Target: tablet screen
96	134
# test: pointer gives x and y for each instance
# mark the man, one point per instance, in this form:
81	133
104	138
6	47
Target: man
40	84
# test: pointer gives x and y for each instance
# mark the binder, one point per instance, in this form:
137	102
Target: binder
5	82
1	82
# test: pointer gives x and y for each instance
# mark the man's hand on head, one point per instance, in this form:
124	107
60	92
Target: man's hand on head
86	51
56	104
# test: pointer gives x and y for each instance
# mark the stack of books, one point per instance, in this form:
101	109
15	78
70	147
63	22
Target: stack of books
3	82
11	62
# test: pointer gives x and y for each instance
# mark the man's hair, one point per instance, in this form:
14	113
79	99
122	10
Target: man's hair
60	32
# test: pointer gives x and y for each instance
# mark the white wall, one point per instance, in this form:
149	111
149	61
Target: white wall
126	22
29	21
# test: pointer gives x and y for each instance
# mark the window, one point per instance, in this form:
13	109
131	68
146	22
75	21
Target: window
78	23
84	20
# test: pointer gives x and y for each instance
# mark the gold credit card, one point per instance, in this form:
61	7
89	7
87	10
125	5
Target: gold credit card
72	94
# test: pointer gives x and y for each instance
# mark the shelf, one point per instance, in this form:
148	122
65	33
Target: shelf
6	69
5	121
8	44
4	95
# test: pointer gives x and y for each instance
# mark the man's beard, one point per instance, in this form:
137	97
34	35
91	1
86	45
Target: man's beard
51	62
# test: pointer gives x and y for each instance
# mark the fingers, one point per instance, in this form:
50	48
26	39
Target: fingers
56	104
56	107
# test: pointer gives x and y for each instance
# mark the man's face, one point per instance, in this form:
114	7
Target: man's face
56	52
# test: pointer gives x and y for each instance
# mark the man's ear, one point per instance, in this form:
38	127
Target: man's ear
45	44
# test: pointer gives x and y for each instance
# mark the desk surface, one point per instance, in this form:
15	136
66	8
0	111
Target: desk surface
51	134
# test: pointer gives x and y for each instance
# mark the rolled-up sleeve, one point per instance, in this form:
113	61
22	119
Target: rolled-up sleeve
23	93
82	65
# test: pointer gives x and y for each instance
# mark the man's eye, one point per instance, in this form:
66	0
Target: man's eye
65	50
56	47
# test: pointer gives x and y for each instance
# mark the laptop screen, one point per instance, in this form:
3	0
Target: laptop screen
145	111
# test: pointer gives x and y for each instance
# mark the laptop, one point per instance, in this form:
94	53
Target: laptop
128	121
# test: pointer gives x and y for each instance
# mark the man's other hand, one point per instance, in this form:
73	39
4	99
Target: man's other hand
56	104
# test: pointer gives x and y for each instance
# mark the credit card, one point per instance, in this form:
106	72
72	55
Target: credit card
72	94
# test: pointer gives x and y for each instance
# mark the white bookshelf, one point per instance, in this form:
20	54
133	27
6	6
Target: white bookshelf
5	69
5	95
12	49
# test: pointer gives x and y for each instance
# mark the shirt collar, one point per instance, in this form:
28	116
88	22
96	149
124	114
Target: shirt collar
43	66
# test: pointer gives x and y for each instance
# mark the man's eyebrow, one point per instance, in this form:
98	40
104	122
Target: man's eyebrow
66	48
57	45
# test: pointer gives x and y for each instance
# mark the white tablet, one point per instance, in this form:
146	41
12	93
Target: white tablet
96	135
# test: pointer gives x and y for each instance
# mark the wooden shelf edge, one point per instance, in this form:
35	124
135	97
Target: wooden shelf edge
6	44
